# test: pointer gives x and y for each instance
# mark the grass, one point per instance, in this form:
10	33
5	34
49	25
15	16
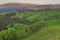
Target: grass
48	33
48	23
52	32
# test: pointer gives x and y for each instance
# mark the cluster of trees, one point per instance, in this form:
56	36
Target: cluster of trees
9	34
9	19
6	20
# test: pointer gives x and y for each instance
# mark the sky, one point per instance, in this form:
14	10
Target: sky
31	1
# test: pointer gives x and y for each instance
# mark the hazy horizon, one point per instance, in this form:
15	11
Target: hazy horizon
31	1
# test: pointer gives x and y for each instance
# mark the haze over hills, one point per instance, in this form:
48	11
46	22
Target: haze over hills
26	7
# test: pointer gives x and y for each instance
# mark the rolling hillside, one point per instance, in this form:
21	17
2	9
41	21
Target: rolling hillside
51	32
22	25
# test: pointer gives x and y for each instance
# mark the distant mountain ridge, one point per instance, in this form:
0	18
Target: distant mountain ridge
25	6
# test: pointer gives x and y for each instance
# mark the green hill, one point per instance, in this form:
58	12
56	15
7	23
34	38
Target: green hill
44	25
51	32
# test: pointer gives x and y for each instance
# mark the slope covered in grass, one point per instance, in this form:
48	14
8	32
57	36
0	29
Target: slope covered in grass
51	32
43	25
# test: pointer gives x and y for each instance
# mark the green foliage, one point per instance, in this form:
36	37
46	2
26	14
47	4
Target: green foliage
22	30
20	25
52	32
9	34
